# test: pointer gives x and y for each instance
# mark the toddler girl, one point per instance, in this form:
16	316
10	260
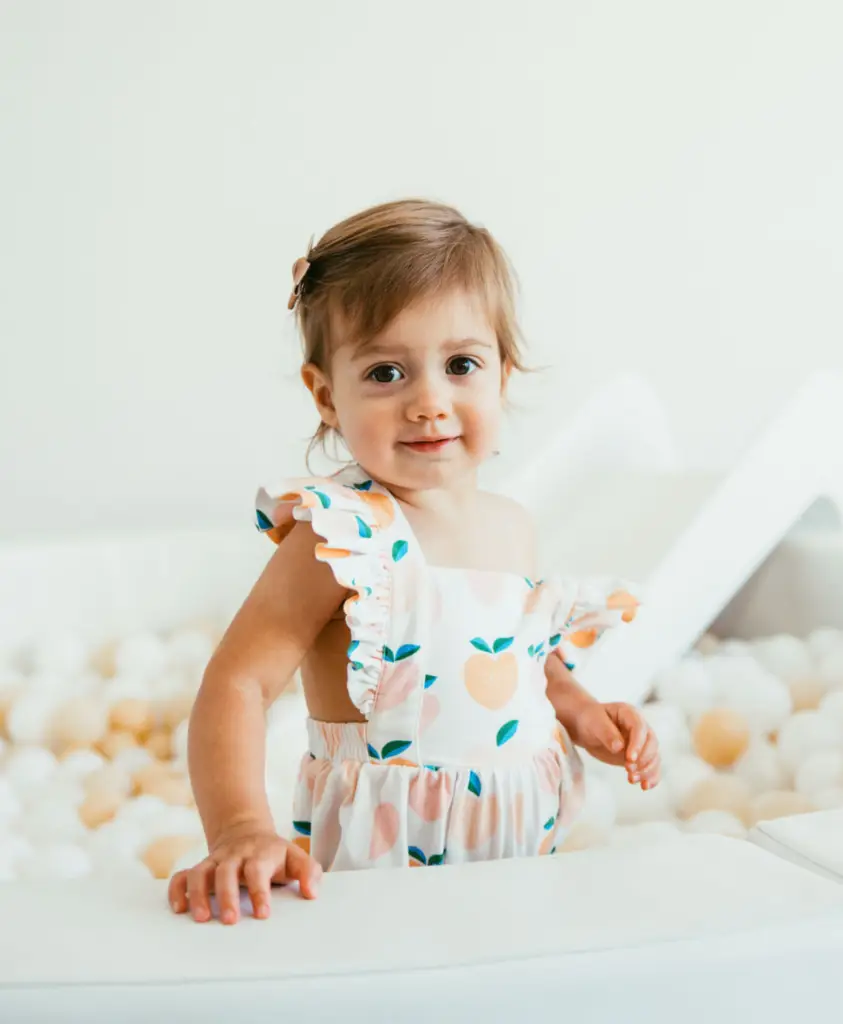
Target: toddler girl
436	664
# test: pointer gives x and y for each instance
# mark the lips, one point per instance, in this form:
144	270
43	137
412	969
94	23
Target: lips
429	444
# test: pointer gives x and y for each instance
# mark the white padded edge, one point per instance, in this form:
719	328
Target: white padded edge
812	841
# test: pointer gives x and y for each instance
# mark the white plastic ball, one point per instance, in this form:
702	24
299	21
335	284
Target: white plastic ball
58	860
785	656
190	649
143	655
81	720
760	767
635	805
743	685
180	742
49	820
734	648
28	719
132	759
831	706
14	848
825	641
668	723
80	764
11	682
803	734
682	776
125	687
830	669
717	823
10	803
116	840
27	768
191	858
647	833
598	807
819	771
142	809
687	685
62	652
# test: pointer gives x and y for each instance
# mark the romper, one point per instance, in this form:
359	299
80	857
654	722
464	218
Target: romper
461	757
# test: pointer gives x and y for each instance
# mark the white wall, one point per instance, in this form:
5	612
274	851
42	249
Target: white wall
666	177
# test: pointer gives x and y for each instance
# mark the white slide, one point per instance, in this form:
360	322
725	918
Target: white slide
694	541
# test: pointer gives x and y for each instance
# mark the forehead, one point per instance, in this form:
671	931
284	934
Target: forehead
433	321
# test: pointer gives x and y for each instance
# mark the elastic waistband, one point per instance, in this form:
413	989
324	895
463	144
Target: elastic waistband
337	741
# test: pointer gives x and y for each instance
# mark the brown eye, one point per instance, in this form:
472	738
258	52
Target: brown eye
385	374
461	366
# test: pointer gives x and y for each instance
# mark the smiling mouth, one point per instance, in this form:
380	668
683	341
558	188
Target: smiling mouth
435	444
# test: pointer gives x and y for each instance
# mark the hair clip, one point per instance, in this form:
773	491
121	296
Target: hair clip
300	268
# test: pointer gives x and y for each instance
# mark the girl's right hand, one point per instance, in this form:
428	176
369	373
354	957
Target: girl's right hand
251	856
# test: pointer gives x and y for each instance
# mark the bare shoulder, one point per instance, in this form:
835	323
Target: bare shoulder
511	521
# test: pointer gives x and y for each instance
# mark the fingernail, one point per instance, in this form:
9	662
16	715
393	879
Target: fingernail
616	746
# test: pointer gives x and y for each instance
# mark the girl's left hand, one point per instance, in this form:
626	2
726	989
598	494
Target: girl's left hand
618	734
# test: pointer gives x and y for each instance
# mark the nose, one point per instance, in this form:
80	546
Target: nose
429	399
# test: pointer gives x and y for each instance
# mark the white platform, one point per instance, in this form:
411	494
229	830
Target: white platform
702	929
812	841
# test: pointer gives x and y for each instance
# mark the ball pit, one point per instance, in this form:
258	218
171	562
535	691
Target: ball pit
93	749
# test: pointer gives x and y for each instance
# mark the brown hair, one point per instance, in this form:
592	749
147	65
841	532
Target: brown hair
371	266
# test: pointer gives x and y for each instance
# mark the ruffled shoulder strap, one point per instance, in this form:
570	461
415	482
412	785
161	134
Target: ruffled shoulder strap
585	609
355	519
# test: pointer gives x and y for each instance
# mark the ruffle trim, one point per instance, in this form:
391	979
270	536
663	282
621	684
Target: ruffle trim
586	609
349	516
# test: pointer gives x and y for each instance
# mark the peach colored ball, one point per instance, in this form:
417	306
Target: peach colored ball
806	693
131	715
113	742
80	722
160	744
162	854
104	660
108	779
778	803
174	790
718	793
173	712
98	808
721	736
150	775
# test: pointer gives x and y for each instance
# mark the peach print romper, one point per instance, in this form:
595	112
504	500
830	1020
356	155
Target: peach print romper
460	757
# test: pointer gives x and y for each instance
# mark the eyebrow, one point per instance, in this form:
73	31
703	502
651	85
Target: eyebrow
368	349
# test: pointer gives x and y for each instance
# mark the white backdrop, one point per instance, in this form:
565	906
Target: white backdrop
666	177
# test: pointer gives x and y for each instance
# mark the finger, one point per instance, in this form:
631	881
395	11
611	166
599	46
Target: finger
635	728
606	733
198	889
651	777
177	892
257	874
649	752
227	888
302	868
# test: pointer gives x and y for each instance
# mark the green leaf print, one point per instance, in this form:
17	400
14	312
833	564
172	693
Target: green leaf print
569	665
474	784
388	655
436	860
417	854
357	665
399	549
548	825
530	583
429	681
406	651
554	640
263	521
362	528
481	645
364	486
531	650
375	756
324	500
352	647
302	827
395	747
507	731
502	643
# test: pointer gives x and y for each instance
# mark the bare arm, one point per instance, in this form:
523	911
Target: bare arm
288	607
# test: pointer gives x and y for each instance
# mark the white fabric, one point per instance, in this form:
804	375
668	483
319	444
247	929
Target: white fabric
679	931
813	841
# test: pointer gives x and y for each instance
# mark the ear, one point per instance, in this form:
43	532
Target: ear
317	383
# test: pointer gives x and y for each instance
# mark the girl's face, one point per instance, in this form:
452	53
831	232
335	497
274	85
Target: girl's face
418	406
